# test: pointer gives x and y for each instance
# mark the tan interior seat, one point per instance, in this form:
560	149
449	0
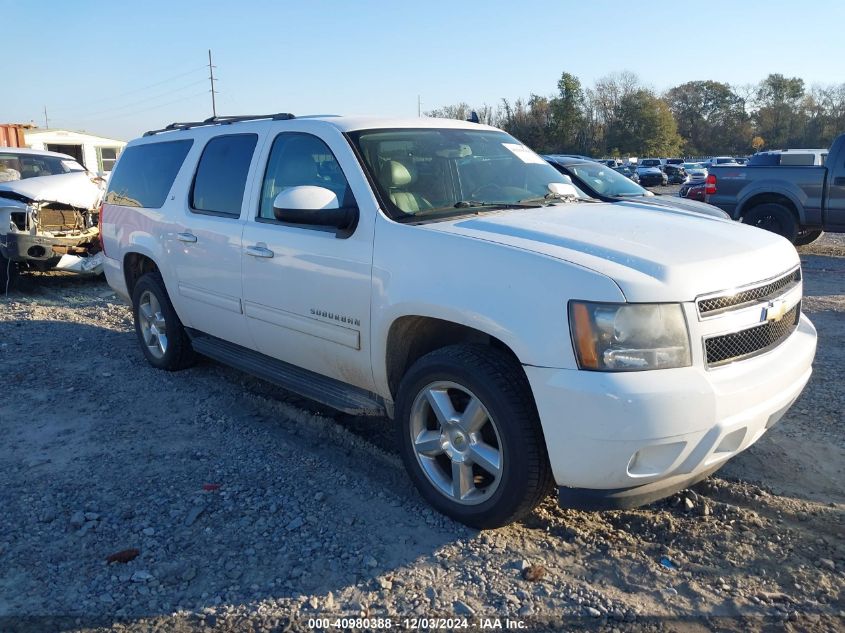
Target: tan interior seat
396	177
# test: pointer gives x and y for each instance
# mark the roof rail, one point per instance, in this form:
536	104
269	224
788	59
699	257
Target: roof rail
222	120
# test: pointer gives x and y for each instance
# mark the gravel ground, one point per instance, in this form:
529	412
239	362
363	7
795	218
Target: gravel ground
231	505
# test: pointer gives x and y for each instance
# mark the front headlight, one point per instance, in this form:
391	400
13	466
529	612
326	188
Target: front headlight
629	336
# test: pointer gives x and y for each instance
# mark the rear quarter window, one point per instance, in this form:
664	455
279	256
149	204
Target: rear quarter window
145	173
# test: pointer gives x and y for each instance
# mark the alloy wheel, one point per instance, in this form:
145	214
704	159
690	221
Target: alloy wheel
153	325
456	442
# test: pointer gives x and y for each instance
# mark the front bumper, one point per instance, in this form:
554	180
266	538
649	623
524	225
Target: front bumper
23	247
610	434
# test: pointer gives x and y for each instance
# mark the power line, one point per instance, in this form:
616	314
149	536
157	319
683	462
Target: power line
154	107
144	100
113	97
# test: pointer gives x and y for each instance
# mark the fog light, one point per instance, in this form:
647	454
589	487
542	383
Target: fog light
654	460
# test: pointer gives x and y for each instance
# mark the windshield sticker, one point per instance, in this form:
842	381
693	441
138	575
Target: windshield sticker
523	153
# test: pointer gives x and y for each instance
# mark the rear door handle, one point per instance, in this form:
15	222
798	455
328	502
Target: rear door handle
186	237
839	181
259	251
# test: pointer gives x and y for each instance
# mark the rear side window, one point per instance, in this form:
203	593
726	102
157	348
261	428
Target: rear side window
221	174
145	174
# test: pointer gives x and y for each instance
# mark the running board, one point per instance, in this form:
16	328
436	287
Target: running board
303	382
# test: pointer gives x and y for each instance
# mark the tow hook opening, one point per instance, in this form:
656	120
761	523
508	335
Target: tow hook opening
36	251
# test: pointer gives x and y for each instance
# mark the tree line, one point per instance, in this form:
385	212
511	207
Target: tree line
621	116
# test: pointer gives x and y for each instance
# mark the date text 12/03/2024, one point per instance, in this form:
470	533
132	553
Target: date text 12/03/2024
416	624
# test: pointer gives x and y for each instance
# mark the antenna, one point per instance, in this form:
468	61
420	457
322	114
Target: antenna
211	78
419	107
46	120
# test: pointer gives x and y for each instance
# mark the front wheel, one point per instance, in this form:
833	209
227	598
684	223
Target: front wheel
470	436
8	274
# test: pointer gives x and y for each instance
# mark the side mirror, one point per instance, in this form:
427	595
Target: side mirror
563	190
316	206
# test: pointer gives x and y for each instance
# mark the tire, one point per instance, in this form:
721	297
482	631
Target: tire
8	274
161	335
506	432
807	237
773	217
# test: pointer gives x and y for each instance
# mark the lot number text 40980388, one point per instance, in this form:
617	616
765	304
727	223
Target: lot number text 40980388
415	624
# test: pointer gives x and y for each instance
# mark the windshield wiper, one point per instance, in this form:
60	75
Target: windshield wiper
521	204
552	198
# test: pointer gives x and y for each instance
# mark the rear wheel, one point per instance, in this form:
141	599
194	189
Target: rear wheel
807	237
773	217
470	436
162	336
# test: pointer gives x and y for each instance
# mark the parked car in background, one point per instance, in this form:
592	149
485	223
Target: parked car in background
611	162
675	174
49	208
793	157
651	162
628	172
551	341
797	202
696	171
674	161
720	160
693	190
609	185
651	176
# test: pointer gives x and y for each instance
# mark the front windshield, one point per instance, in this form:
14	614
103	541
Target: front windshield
19	166
606	181
442	172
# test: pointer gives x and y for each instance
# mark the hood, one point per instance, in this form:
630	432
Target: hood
74	189
649	170
675	202
652	253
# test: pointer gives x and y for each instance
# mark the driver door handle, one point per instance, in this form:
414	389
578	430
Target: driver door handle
186	237
259	251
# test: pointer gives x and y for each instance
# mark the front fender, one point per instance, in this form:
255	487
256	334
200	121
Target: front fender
516	296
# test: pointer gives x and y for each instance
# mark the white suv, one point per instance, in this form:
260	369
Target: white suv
520	334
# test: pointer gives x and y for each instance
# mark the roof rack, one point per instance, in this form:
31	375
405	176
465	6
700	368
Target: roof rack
222	120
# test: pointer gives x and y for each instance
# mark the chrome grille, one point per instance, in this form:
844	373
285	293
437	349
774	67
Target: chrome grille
728	348
713	305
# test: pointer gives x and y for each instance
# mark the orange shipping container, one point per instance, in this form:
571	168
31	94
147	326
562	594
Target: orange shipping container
11	134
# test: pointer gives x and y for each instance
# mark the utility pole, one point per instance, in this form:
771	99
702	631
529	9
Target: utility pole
46	121
211	78
419	107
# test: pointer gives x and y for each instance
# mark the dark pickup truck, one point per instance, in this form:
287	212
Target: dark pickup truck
796	202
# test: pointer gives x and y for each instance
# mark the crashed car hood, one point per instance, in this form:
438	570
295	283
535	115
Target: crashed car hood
652	253
74	189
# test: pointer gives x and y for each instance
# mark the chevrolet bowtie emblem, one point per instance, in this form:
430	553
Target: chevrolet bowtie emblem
775	310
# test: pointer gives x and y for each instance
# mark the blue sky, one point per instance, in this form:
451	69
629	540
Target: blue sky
118	68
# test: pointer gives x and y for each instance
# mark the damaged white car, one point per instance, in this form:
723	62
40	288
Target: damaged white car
49	210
